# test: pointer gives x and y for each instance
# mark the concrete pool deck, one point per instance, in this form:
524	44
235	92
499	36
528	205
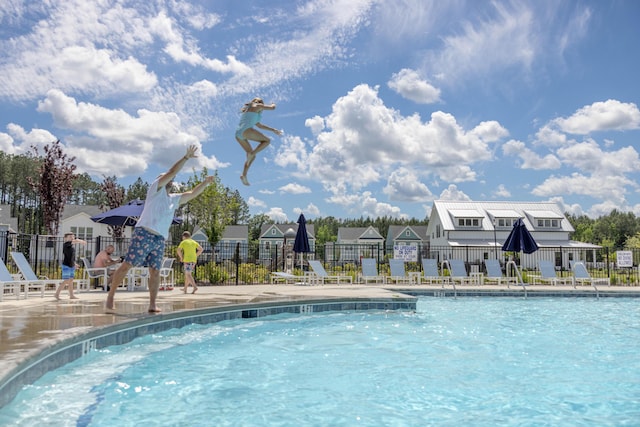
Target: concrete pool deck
29	327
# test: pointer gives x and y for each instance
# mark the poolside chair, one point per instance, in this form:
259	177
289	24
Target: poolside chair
282	277
581	275
548	275
319	275
370	272
33	281
397	272
430	273
166	274
9	285
494	273
91	273
458	271
138	279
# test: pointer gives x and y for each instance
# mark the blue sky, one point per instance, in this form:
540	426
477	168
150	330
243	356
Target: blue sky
386	105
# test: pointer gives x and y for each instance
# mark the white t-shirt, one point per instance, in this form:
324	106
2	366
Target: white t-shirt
159	210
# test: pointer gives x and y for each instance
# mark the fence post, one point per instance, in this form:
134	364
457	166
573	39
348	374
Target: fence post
237	260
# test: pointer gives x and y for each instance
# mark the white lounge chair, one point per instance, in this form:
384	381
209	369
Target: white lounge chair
494	273
398	273
370	272
548	275
282	277
582	277
34	282
320	276
430	273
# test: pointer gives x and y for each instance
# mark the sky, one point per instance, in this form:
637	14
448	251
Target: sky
385	105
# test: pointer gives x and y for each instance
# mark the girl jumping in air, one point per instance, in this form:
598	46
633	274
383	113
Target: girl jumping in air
251	116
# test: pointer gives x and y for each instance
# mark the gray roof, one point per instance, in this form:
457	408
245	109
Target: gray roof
348	234
282	228
236	232
397	232
72	210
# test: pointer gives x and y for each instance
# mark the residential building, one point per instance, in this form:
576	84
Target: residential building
475	231
273	238
406	241
355	243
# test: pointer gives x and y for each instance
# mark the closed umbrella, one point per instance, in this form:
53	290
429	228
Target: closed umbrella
519	240
301	244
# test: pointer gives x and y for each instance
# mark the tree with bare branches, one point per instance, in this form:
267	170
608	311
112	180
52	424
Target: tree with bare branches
115	197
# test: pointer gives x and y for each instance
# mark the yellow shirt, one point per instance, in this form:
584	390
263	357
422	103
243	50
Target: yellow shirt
189	250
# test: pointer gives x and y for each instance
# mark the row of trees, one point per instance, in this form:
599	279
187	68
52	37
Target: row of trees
37	186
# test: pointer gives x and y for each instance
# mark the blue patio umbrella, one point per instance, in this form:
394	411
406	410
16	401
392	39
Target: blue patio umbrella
301	244
520	239
125	215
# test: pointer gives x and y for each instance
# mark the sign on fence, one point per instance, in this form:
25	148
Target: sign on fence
624	258
405	252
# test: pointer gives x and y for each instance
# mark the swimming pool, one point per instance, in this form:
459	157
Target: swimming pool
465	361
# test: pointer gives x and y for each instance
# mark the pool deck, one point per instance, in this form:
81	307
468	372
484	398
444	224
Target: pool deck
30	326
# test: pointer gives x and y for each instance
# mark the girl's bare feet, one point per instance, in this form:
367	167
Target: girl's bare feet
244	180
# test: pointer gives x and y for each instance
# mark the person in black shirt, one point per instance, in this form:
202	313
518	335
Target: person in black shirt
69	263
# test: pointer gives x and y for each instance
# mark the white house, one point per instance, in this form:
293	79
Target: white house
475	231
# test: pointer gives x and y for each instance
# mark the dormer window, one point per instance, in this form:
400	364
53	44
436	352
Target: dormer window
505	222
547	223
468	222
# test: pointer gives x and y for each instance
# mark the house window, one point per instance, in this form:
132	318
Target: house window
468	222
273	231
84	233
505	222
407	233
438	231
548	223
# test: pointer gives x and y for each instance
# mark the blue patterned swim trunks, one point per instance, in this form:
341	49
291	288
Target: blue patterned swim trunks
146	248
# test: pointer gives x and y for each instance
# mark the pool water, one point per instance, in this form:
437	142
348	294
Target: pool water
465	361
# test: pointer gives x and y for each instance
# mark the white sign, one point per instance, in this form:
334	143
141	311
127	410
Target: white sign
625	258
405	252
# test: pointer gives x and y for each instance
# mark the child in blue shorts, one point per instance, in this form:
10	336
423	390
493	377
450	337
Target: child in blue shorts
68	264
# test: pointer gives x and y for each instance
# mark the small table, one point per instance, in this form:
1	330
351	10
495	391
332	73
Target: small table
415	277
477	278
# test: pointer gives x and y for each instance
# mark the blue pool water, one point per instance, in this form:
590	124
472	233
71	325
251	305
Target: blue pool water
465	361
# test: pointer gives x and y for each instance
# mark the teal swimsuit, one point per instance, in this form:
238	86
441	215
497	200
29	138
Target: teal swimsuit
247	121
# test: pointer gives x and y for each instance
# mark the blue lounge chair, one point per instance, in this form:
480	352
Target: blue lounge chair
430	273
320	276
494	273
33	281
370	272
398	273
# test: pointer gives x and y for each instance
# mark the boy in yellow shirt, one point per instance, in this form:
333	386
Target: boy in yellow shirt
188	252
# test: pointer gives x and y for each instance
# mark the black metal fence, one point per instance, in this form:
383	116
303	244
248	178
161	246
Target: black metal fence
237	263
